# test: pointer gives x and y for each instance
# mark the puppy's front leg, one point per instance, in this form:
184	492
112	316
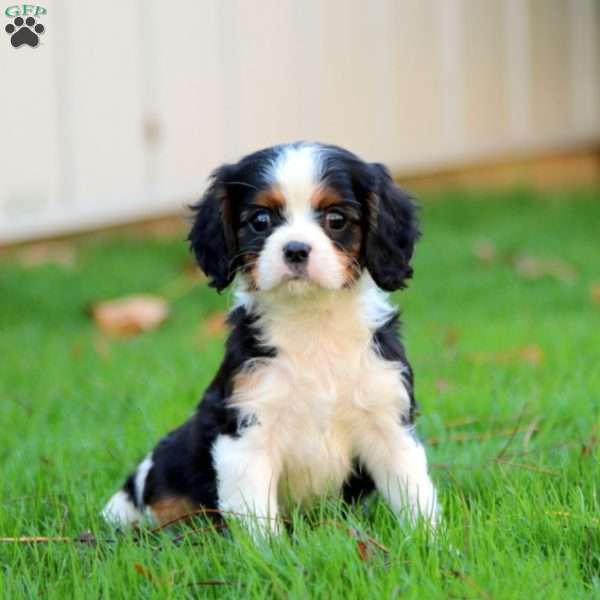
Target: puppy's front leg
247	479
397	463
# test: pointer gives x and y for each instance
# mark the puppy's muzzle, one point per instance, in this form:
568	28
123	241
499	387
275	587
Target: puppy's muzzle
295	255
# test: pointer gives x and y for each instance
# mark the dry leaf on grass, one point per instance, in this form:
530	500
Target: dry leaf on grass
531	354
363	550
485	251
531	267
131	315
441	385
144	572
451	337
527	266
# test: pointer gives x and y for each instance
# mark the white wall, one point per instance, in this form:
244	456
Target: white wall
126	106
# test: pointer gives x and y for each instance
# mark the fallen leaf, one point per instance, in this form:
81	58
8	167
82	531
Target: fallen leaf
595	292
43	253
531	354
363	550
141	570
527	266
216	324
451	336
531	267
485	251
131	315
441	385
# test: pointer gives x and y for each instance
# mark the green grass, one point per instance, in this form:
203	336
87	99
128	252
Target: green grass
78	410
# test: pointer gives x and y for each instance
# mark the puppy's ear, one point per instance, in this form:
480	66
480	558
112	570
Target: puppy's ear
212	237
391	233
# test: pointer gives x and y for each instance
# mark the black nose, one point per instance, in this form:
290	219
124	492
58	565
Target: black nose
296	252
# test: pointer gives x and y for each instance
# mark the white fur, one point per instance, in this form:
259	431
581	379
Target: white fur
247	480
140	479
297	172
398	466
120	511
324	400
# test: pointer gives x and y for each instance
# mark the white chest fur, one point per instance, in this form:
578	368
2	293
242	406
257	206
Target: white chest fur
324	391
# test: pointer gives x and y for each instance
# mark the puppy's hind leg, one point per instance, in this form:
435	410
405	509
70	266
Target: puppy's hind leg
126	507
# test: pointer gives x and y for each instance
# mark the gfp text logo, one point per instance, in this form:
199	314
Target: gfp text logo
24	30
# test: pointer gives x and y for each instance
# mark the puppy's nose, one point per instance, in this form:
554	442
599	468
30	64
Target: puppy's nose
296	253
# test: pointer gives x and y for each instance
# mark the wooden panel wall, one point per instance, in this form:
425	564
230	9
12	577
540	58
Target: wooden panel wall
126	106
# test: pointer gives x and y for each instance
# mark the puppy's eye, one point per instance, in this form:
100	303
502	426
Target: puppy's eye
261	221
335	220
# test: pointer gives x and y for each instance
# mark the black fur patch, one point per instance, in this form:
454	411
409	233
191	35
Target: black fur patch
389	345
182	461
129	489
359	485
392	233
214	237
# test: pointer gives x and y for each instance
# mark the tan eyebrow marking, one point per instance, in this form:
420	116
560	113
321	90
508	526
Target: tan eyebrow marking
272	198
324	197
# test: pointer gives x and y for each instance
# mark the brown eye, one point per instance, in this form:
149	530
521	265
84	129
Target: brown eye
261	221
335	220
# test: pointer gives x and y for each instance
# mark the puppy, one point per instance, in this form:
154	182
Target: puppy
314	396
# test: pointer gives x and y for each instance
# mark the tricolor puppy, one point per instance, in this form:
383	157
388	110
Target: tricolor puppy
314	396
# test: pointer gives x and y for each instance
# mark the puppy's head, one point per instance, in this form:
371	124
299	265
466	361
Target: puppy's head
304	215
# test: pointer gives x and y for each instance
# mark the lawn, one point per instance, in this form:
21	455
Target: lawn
502	325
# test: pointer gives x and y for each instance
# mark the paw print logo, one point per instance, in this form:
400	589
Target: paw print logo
24	32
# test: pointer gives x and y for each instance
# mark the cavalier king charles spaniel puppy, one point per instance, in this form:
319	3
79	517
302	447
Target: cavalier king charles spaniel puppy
314	397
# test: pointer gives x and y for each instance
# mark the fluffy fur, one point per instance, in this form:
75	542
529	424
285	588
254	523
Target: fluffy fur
315	394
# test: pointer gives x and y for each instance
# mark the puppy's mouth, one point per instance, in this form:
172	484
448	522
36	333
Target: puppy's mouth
297	281
295	276
296	273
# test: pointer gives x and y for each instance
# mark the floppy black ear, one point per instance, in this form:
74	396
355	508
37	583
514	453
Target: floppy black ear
212	238
392	232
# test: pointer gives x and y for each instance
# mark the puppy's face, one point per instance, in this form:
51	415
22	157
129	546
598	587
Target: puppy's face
304	215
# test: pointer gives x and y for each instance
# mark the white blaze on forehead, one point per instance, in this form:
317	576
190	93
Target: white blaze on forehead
297	173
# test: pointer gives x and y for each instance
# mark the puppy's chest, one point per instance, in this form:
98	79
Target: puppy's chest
315	399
